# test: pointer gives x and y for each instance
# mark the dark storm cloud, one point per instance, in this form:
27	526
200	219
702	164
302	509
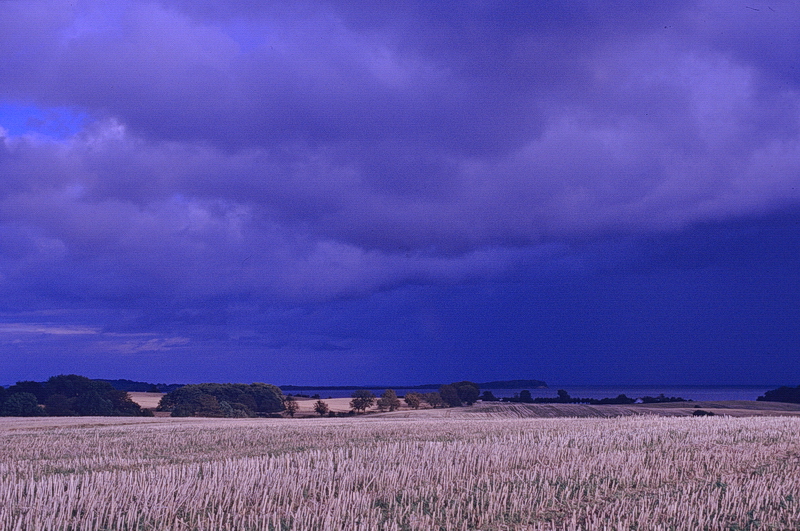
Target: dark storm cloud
275	153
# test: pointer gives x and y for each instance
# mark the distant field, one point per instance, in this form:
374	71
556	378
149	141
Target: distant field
369	473
337	405
503	410
305	405
146	400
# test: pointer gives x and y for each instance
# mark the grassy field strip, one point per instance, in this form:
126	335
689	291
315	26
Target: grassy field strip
623	473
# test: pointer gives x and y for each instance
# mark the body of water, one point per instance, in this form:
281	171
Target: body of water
696	393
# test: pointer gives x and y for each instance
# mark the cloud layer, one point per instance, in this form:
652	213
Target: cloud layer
314	151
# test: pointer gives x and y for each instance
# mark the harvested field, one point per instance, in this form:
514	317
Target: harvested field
635	472
337	405
675	409
146	400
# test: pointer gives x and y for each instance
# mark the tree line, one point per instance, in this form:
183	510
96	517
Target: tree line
67	395
224	400
456	394
74	395
563	397
782	394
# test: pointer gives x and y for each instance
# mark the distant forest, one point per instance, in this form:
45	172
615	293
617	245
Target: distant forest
67	395
782	394
141	387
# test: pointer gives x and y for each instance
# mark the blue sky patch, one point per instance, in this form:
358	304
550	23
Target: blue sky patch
53	122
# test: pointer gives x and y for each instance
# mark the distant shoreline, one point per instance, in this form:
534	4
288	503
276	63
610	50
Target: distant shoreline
501	384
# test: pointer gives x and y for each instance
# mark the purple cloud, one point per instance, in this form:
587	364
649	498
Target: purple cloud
307	153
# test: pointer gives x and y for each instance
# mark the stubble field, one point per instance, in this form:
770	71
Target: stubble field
645	473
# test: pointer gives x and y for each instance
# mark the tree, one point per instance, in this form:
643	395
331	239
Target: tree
362	400
661	399
21	405
620	399
488	396
525	397
58	405
256	399
182	402
122	405
267	397
93	404
434	399
450	396
321	408
290	405
73	385
413	400
388	400
208	406
468	392
28	386
782	394
71	395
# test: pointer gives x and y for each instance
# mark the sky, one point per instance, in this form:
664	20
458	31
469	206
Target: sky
341	192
